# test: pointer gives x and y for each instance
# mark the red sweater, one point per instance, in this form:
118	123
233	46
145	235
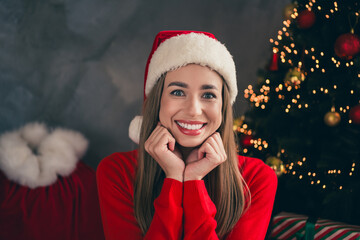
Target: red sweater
181	209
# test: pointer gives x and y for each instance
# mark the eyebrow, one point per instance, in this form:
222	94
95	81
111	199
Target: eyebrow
184	85
179	84
208	86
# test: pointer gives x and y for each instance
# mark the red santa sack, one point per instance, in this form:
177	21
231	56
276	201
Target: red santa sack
45	191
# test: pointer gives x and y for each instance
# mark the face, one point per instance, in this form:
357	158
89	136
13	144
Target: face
191	104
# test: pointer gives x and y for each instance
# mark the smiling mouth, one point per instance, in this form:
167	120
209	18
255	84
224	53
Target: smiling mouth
190	126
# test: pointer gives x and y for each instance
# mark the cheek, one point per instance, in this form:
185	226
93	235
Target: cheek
215	114
165	112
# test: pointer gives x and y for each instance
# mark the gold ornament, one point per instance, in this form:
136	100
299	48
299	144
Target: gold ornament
332	118
276	164
288	10
294	77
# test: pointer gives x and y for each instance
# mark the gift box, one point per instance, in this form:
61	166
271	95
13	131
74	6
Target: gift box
294	226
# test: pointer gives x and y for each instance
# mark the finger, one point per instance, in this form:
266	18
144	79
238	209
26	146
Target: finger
205	150
164	138
214	144
151	141
220	143
155	132
171	143
202	151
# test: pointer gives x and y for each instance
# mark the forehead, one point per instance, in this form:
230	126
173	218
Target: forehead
194	75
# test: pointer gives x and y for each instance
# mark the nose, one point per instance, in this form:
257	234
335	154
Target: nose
193	106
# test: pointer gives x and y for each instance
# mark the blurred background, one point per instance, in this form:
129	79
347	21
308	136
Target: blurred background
80	64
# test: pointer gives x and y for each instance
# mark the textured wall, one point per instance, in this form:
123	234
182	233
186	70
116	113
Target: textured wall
80	64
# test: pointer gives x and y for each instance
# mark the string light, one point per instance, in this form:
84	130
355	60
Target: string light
314	61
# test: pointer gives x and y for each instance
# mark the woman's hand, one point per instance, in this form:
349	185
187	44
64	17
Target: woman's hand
203	160
161	146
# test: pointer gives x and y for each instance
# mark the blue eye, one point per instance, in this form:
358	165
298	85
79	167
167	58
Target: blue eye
209	95
178	93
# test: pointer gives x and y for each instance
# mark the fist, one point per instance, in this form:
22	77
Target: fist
161	146
210	155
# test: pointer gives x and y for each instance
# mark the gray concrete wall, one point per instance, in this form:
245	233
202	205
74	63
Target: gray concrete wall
80	64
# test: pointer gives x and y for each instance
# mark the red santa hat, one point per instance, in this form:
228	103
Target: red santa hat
174	49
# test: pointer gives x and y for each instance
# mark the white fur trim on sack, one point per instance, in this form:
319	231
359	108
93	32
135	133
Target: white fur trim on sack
134	129
190	48
33	156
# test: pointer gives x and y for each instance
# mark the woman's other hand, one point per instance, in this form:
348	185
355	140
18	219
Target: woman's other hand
161	146
203	160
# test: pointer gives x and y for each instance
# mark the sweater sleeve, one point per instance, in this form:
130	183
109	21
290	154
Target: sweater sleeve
115	187
262	183
199	212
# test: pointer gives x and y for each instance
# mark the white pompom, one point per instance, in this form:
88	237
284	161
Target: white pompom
34	133
134	129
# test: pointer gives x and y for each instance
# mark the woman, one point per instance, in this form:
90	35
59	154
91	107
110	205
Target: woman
186	181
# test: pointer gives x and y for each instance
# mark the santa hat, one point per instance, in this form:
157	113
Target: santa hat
174	49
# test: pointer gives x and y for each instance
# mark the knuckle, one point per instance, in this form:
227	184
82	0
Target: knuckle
146	146
156	150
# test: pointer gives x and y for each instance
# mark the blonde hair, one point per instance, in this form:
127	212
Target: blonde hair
224	184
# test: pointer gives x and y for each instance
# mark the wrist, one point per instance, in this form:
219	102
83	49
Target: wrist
176	177
191	177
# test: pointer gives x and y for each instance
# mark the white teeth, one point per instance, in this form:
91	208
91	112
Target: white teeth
190	126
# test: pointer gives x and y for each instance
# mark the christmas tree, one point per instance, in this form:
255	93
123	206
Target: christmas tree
304	114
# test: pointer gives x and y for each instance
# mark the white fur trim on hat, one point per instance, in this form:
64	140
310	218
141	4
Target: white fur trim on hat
34	157
134	129
190	48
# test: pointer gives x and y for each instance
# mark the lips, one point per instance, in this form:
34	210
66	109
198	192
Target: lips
191	128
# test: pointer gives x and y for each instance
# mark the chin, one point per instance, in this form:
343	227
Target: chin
189	142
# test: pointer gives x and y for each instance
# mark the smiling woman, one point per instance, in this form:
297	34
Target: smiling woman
191	102
186	181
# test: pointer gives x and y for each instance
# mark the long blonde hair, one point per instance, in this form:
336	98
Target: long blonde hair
224	184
